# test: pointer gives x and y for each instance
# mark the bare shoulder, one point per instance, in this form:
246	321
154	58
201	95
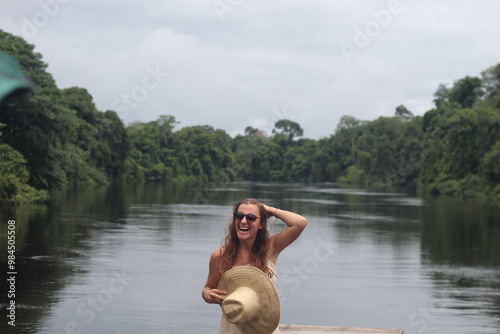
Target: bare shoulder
216	255
218	252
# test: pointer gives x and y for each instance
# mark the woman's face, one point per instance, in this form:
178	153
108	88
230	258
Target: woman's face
246	226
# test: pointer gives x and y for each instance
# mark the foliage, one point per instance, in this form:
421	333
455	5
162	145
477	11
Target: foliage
13	183
490	165
288	128
60	134
403	112
460	147
55	137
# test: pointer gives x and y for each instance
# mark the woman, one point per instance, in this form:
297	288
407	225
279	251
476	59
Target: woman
248	242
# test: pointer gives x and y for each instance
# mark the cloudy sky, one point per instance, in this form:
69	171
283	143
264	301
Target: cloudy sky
237	63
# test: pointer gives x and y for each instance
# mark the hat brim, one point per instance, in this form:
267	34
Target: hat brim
269	306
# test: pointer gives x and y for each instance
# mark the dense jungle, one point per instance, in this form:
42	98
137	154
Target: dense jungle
51	138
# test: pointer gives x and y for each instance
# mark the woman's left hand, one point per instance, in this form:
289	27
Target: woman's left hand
215	296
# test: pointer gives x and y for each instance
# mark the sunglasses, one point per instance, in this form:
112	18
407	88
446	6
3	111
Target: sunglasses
250	217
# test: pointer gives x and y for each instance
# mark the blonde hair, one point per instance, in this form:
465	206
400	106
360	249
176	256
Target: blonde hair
260	249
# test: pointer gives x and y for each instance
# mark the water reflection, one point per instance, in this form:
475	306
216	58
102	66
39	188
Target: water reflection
461	233
460	247
52	242
368	258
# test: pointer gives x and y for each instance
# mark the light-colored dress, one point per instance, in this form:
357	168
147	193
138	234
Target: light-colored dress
228	328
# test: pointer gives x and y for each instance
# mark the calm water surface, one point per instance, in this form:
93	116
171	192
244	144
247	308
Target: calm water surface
134	260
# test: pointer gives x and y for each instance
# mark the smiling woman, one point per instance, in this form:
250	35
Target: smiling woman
248	243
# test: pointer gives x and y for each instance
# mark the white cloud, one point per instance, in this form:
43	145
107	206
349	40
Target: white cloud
263	59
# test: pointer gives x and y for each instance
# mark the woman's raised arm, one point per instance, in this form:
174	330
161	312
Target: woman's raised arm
296	224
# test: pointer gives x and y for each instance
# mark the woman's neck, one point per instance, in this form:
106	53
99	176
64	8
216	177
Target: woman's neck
245	247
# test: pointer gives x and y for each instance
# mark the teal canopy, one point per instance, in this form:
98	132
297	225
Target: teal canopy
12	78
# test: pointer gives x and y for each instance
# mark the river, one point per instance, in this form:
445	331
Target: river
134	259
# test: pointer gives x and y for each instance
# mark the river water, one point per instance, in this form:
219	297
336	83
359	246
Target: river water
134	259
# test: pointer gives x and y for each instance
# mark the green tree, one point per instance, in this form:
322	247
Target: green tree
36	123
466	91
385	153
14	177
97	145
80	100
250	131
114	145
441	95
272	161
491	79
203	153
166	125
288	128
326	166
491	83
490	165
455	145
145	140
299	159
247	152
403	112
342	146
60	133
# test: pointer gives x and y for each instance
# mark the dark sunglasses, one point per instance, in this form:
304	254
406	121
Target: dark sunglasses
250	217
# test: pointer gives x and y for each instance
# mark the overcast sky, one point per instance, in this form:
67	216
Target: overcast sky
237	63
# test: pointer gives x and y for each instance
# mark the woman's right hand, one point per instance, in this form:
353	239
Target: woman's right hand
270	211
214	296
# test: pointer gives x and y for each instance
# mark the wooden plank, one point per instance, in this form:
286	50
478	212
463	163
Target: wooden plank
299	329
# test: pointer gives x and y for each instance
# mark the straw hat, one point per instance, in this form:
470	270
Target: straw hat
252	303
